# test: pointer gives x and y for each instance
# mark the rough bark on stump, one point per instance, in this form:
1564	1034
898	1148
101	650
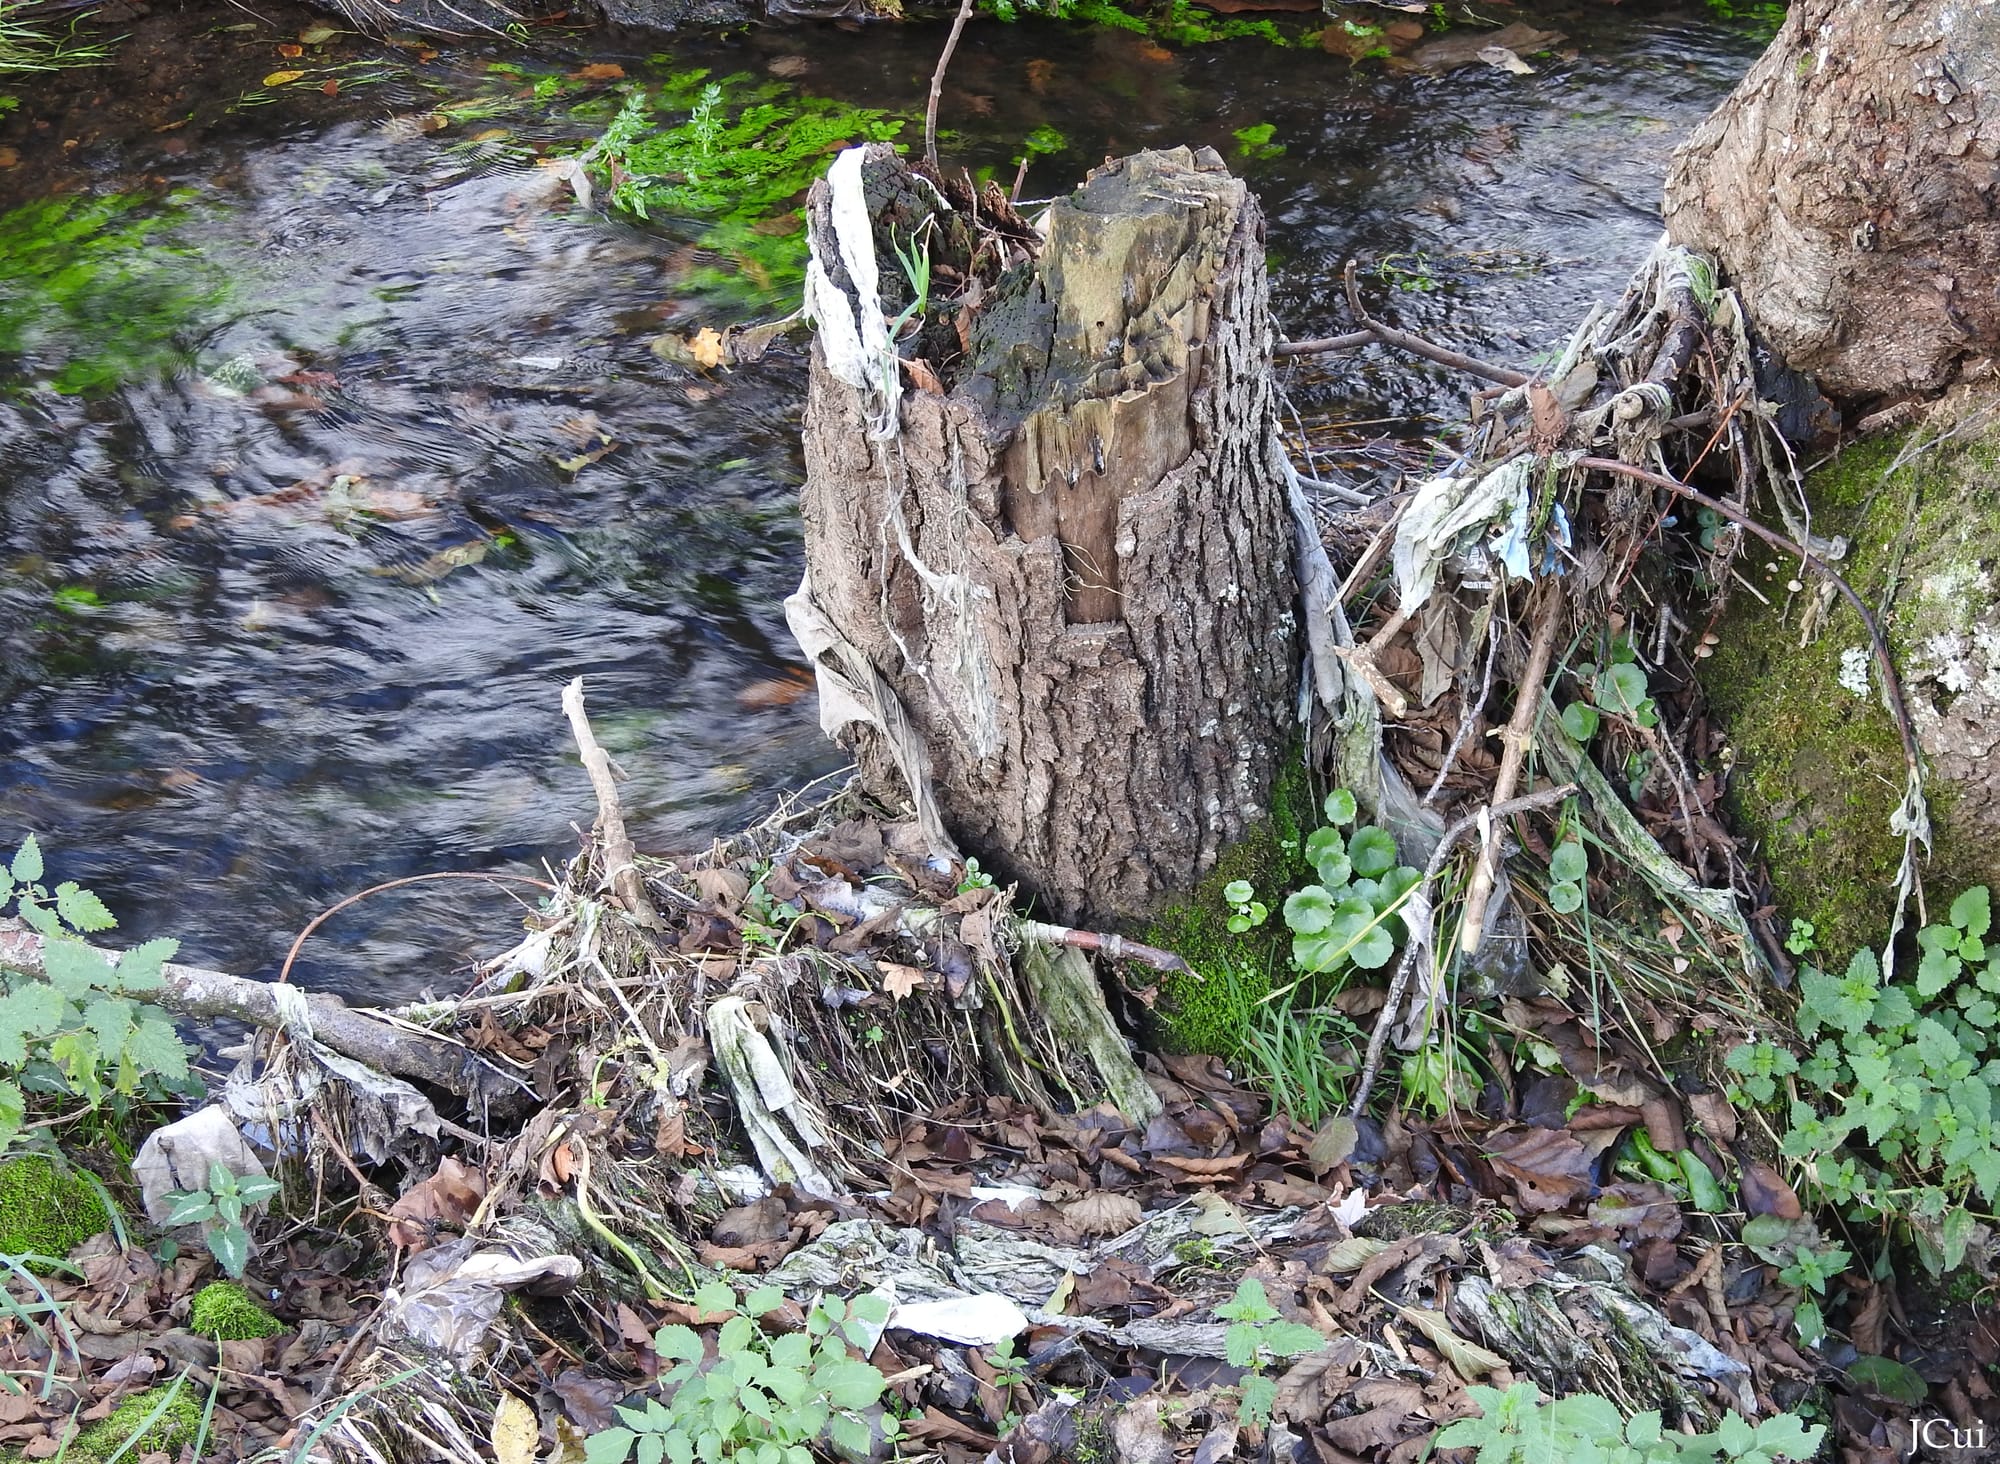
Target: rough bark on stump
1848	187
1075	566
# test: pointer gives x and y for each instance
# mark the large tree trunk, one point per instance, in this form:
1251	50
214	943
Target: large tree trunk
1074	566
1849	189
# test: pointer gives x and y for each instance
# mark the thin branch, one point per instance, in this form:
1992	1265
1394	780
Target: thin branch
1354	340
1113	947
1514	751
1376	330
489	876
1371	1068
621	871
1892	685
937	90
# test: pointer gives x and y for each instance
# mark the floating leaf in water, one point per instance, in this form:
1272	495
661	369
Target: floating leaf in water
288	51
708	348
440	564
280	78
318	35
599	71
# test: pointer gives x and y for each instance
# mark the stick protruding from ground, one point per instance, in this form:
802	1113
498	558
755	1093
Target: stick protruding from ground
621	870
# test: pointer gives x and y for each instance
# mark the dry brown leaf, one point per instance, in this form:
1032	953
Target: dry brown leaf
1364	1433
708	348
516	1433
1471	1361
1766	1193
1103	1213
448	1198
900	980
1333	1144
599	71
1217	1217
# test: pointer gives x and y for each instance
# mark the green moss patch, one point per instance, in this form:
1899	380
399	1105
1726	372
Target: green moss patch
46	1208
224	1310
177	1425
1208	1010
1818	768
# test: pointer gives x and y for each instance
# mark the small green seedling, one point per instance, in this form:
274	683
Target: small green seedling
221	1207
1257	1337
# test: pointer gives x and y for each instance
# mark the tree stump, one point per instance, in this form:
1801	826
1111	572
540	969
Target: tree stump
1057	527
1847	187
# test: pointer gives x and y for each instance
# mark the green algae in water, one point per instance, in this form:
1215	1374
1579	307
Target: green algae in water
94	293
741	159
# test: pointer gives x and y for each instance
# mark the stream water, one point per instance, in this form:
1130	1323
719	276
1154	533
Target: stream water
332	442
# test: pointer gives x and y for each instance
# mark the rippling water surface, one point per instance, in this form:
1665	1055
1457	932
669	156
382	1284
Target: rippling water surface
332	441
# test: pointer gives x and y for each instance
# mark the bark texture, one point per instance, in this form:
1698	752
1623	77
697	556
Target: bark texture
1075	566
1848	187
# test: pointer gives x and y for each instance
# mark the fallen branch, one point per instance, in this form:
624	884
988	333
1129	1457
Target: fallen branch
621	871
201	995
1514	750
1373	330
1892	685
1371	1067
1112	947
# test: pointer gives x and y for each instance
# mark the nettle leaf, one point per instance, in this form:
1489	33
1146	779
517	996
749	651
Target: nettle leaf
1893	1010
872	1308
230	1245
75	969
29	1013
39	917
81	910
27	865
715	1296
608	1446
851	1436
140	967
1260	1396
153	1046
1251	1303
1239	1345
1310	910
1291	1339
1372	851
110	1017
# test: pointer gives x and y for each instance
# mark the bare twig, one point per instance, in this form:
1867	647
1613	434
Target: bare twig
1471	718
937	90
1371	1067
1514	750
620	870
1892	685
1376	330
1113	947
1353	340
285	971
